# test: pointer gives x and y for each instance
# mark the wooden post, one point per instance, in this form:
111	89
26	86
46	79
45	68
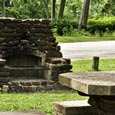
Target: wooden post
95	65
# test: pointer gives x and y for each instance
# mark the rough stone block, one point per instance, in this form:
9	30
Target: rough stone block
5	88
11	35
46	48
24	83
80	107
2	40
51	39
60	66
68	61
2	62
48	88
2	25
4	74
13	83
44	21
52	75
54	54
8	30
27	88
34	88
54	60
12	43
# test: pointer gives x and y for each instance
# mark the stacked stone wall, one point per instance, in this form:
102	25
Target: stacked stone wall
31	37
27	35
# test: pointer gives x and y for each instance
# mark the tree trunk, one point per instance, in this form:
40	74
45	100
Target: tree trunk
61	10
84	15
46	8
3	8
53	9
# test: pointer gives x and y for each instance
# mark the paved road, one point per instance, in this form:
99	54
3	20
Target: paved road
86	50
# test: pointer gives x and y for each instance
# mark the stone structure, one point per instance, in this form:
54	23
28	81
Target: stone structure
99	86
29	50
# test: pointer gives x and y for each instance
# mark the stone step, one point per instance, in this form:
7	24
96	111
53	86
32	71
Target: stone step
27	85
35	72
29	82
80	107
24	112
30	85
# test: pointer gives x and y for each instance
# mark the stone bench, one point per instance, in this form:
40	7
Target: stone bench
24	112
80	107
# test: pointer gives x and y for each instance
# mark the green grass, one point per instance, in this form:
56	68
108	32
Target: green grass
43	101
75	38
86	65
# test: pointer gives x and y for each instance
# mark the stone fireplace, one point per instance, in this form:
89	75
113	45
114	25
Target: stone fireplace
29	51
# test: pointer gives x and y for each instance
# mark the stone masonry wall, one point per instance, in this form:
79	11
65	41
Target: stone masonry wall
30	38
28	35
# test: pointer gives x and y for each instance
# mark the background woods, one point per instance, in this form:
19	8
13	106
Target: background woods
66	15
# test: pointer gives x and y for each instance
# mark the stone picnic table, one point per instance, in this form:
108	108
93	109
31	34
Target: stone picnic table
99	86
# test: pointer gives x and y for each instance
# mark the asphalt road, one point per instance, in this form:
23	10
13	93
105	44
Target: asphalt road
86	50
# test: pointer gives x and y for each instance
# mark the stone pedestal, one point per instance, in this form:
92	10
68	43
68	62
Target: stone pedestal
105	105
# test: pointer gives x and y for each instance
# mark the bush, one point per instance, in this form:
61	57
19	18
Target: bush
64	26
100	25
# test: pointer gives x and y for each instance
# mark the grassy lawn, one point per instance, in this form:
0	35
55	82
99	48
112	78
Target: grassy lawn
75	38
43	101
86	65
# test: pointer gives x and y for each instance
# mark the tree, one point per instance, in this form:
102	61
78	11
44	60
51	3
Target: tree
84	15
53	9
46	8
3	8
61	10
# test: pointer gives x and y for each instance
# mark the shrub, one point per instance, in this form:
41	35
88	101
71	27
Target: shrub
100	25
64	26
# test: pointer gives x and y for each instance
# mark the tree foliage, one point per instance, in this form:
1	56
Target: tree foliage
25	9
37	8
72	10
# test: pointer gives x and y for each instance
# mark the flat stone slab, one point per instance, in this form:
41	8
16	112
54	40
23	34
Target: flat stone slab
91	83
24	112
80	107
